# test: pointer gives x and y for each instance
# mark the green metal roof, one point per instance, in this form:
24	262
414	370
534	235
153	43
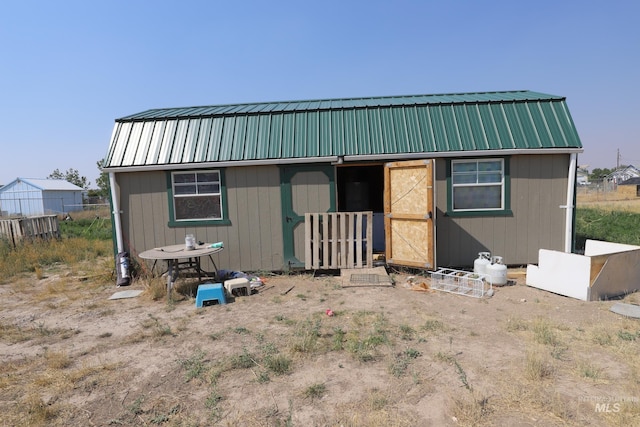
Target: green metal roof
379	127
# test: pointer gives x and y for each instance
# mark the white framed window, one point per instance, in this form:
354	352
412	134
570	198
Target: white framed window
197	195
477	185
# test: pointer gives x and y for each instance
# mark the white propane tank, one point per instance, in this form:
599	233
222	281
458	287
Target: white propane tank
497	271
480	264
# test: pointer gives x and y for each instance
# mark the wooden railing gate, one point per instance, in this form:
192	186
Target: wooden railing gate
335	240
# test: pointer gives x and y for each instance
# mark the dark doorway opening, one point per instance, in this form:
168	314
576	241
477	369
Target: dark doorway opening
361	188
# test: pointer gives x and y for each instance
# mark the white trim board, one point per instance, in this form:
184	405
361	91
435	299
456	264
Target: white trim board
607	270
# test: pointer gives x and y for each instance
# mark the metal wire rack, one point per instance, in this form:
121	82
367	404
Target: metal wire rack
461	282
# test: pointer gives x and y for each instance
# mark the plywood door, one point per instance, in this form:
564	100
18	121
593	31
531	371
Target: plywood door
408	208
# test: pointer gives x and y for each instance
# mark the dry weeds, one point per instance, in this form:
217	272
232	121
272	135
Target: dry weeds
609	201
387	357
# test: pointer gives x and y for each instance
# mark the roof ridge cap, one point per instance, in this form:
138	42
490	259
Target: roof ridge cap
422	99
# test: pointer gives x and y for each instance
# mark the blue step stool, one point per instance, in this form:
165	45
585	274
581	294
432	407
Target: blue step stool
210	292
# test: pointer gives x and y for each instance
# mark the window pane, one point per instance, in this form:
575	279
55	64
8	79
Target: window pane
490	166
197	195
489	177
199	207
464	166
185	189
208	177
180	178
489	197
464	178
208	188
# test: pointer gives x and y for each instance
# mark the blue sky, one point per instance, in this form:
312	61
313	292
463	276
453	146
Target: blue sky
70	68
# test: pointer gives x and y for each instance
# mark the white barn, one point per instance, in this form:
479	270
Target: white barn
27	197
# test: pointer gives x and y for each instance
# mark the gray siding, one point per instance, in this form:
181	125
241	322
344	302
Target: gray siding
538	189
253	240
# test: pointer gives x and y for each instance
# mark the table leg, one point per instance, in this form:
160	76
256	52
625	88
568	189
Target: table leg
198	269
171	277
215	267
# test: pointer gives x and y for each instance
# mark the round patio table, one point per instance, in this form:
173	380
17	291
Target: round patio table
172	254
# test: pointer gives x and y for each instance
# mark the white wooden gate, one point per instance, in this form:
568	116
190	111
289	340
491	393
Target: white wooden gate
336	240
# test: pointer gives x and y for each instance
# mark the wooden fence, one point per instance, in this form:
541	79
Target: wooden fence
40	227
336	240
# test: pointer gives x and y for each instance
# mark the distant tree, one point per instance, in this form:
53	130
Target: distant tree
597	174
71	175
104	187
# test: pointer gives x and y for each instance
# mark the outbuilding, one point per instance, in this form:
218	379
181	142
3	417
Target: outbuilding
29	197
629	189
443	176
622	174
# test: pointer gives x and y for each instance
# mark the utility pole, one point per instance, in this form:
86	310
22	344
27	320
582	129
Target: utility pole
618	160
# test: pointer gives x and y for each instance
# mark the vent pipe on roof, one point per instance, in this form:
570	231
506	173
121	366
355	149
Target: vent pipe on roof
115	202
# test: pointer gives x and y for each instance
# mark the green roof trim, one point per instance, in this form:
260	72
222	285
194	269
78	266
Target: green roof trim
354	127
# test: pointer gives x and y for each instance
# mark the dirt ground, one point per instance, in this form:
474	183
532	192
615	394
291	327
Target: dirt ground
387	356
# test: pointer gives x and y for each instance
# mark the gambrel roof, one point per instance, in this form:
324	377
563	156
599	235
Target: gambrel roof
350	129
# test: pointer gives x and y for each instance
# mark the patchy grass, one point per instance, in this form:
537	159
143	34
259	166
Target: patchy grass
193	366
27	257
406	332
244	360
367	335
545	333
73	358
376	409
515	324
278	364
315	391
537	367
157	328
39	332
338	338
306	336
589	370
607	223
402	360
57	360
433	326
469	409
94	225
601	337
628	335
